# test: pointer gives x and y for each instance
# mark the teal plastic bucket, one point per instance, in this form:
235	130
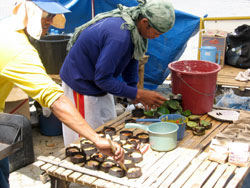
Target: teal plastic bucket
162	135
50	126
208	53
180	120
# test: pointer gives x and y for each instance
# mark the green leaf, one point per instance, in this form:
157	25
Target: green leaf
162	110
165	104
186	113
150	113
173	104
180	109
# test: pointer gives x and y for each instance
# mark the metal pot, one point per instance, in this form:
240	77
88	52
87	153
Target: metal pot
162	135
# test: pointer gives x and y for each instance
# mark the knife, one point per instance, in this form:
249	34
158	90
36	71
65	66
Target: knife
113	150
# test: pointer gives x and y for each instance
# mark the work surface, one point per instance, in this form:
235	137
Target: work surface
227	75
185	166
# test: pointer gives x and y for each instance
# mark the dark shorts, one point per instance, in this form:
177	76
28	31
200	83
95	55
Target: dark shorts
4	173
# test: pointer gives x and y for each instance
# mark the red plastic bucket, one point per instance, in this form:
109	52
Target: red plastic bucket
196	81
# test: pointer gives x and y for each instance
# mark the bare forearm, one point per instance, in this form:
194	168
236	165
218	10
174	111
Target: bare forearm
65	111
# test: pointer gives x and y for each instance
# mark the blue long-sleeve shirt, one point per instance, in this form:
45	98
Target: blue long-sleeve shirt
102	53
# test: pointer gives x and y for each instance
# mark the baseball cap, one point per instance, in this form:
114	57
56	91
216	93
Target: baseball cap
51	6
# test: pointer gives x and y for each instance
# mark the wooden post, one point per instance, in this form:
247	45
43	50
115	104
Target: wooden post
58	183
142	62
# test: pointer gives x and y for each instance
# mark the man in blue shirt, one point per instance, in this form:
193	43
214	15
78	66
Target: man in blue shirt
105	48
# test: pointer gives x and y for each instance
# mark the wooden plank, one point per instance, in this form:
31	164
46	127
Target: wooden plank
226	76
113	185
146	163
56	170
46	166
86	180
65	174
99	183
110	184
51	170
190	140
83	170
187	140
198	139
79	178
59	171
238	177
161	165
168	171
38	163
203	177
74	176
109	123
147	158
208	139
196	174
148	168
183	162
190	170
123	186
215	176
224	178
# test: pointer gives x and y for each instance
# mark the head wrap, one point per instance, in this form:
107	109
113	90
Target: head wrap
160	14
28	15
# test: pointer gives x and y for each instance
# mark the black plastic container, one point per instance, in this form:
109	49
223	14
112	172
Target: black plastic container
52	51
15	130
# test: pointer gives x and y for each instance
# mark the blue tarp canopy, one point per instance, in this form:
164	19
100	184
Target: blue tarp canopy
162	50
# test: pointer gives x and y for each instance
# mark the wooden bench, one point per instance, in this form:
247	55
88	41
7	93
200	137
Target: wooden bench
226	77
185	166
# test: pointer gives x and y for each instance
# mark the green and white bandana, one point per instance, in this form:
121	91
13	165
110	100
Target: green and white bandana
160	14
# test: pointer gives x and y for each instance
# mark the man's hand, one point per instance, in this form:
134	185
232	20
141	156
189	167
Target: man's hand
103	145
66	112
150	99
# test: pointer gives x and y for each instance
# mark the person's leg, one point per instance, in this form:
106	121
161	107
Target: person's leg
95	110
246	182
99	110
69	136
4	173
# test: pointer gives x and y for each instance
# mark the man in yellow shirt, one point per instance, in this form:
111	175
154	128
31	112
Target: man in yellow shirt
21	66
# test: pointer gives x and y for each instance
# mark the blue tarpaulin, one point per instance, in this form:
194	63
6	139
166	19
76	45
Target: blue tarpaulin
169	47
162	50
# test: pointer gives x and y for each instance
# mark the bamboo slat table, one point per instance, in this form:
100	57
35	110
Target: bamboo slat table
227	75
186	166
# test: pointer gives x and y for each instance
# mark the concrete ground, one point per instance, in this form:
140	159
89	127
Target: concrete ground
29	176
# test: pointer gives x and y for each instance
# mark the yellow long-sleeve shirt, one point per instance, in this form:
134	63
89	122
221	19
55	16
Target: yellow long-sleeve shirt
20	65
